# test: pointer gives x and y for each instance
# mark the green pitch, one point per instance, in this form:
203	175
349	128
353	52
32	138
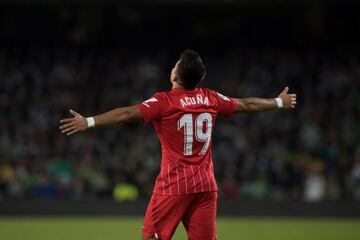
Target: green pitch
76	228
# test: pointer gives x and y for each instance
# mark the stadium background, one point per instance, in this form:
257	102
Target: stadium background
91	57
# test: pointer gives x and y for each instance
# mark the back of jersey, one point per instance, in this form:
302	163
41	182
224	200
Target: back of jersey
184	122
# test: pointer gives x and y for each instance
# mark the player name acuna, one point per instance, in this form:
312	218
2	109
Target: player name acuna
198	99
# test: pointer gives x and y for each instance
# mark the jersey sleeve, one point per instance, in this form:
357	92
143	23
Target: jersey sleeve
225	105
152	109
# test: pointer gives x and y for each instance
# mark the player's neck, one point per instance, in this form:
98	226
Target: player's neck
177	86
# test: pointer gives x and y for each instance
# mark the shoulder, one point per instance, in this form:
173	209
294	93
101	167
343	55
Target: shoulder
160	98
207	91
211	91
215	94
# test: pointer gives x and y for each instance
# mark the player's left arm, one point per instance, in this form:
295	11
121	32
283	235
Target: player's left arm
284	100
79	123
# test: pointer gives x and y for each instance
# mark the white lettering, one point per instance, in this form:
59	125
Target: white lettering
199	99
206	101
183	103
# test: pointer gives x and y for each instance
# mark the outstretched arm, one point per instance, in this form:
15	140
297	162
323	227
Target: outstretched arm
118	115
284	100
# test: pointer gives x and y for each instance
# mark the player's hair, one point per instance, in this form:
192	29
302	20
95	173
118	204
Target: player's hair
190	69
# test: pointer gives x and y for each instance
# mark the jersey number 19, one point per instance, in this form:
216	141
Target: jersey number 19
186	122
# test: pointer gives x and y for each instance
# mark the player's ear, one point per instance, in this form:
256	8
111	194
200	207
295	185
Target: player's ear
175	79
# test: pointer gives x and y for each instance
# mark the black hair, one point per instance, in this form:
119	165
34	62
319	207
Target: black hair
190	69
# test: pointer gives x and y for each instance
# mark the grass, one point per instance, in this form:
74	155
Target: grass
80	228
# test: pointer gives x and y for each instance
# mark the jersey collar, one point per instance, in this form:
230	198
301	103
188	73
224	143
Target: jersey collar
183	90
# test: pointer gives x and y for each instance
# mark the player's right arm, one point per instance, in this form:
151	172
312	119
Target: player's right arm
146	112
284	100
79	123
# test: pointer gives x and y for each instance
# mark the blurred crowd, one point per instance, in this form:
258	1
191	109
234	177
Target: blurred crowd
310	154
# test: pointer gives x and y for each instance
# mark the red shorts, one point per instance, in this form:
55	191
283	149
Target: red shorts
196	211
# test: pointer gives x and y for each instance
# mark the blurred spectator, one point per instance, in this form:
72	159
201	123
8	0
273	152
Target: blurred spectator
125	192
354	176
314	189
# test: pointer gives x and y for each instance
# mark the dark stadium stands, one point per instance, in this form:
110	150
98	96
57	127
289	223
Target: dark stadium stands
85	58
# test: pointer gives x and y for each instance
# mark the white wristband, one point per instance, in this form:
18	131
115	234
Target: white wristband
279	102
90	122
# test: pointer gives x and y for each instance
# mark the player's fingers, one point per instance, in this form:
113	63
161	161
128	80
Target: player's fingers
75	114
286	89
67	125
69	129
72	132
66	120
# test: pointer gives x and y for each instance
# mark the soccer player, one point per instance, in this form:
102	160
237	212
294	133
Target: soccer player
185	189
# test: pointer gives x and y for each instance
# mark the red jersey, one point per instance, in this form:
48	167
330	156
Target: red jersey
184	122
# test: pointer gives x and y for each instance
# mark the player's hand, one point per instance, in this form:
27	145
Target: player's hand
72	125
289	99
